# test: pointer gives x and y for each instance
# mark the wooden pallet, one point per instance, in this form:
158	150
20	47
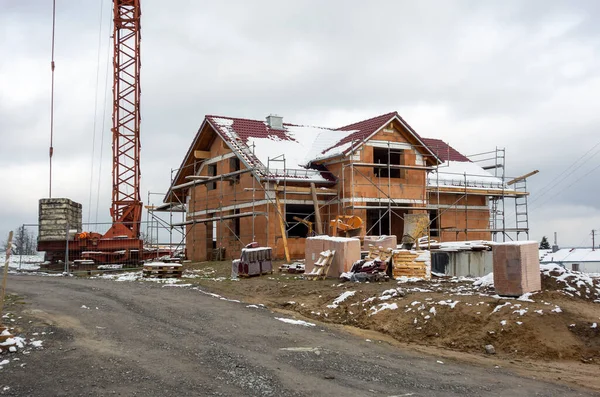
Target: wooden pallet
162	271
379	253
321	266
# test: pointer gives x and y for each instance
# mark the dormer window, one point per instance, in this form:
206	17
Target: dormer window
384	156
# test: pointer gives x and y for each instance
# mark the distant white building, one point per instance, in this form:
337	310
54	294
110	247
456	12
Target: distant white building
578	259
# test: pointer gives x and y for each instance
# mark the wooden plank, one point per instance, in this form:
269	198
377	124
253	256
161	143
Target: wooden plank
201	154
313	191
522	177
282	227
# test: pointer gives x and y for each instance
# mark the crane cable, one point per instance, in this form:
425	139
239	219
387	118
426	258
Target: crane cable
95	114
51	151
110	24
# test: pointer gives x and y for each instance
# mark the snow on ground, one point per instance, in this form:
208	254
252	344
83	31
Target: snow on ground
295	322
574	283
135	276
15	343
340	299
485	281
383	306
23	262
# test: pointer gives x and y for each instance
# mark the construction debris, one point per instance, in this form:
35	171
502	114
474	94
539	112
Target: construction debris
374	267
296	267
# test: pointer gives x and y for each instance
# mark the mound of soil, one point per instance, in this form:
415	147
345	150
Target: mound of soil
554	324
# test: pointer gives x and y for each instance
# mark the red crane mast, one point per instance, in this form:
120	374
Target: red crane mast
126	210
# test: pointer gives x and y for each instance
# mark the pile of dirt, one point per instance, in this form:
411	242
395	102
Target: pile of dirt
558	323
582	285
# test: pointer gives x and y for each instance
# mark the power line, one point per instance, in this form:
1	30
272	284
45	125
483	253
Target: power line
563	175
567	187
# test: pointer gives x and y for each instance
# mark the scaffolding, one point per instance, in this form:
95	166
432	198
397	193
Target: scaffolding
459	206
496	160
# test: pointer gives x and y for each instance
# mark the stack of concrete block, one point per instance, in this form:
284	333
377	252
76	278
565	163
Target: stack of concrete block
516	268
380	241
347	251
55	215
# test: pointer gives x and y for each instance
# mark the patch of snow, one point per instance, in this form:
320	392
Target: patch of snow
345	295
448	302
485	281
383	306
459	173
497	308
295	322
526	297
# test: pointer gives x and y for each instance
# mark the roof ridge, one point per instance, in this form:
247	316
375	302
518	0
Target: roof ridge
264	122
390	114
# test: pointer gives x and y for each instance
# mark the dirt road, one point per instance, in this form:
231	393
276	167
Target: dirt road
140	338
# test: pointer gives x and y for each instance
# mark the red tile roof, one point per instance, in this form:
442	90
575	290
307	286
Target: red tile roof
443	151
246	128
364	128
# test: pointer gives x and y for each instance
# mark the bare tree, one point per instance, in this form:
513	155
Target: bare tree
24	242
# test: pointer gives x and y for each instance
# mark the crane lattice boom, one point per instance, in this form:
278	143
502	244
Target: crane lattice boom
126	208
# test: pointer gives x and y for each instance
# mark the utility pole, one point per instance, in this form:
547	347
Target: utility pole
593	240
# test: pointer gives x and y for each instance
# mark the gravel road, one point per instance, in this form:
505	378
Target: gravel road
142	338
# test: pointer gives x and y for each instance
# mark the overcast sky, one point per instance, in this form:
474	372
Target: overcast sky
520	75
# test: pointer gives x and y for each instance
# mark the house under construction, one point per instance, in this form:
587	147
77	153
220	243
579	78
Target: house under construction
276	183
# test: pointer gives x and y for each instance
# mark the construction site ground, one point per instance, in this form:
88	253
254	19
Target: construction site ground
553	334
128	336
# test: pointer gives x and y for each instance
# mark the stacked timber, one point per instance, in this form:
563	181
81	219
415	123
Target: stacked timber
56	215
407	263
